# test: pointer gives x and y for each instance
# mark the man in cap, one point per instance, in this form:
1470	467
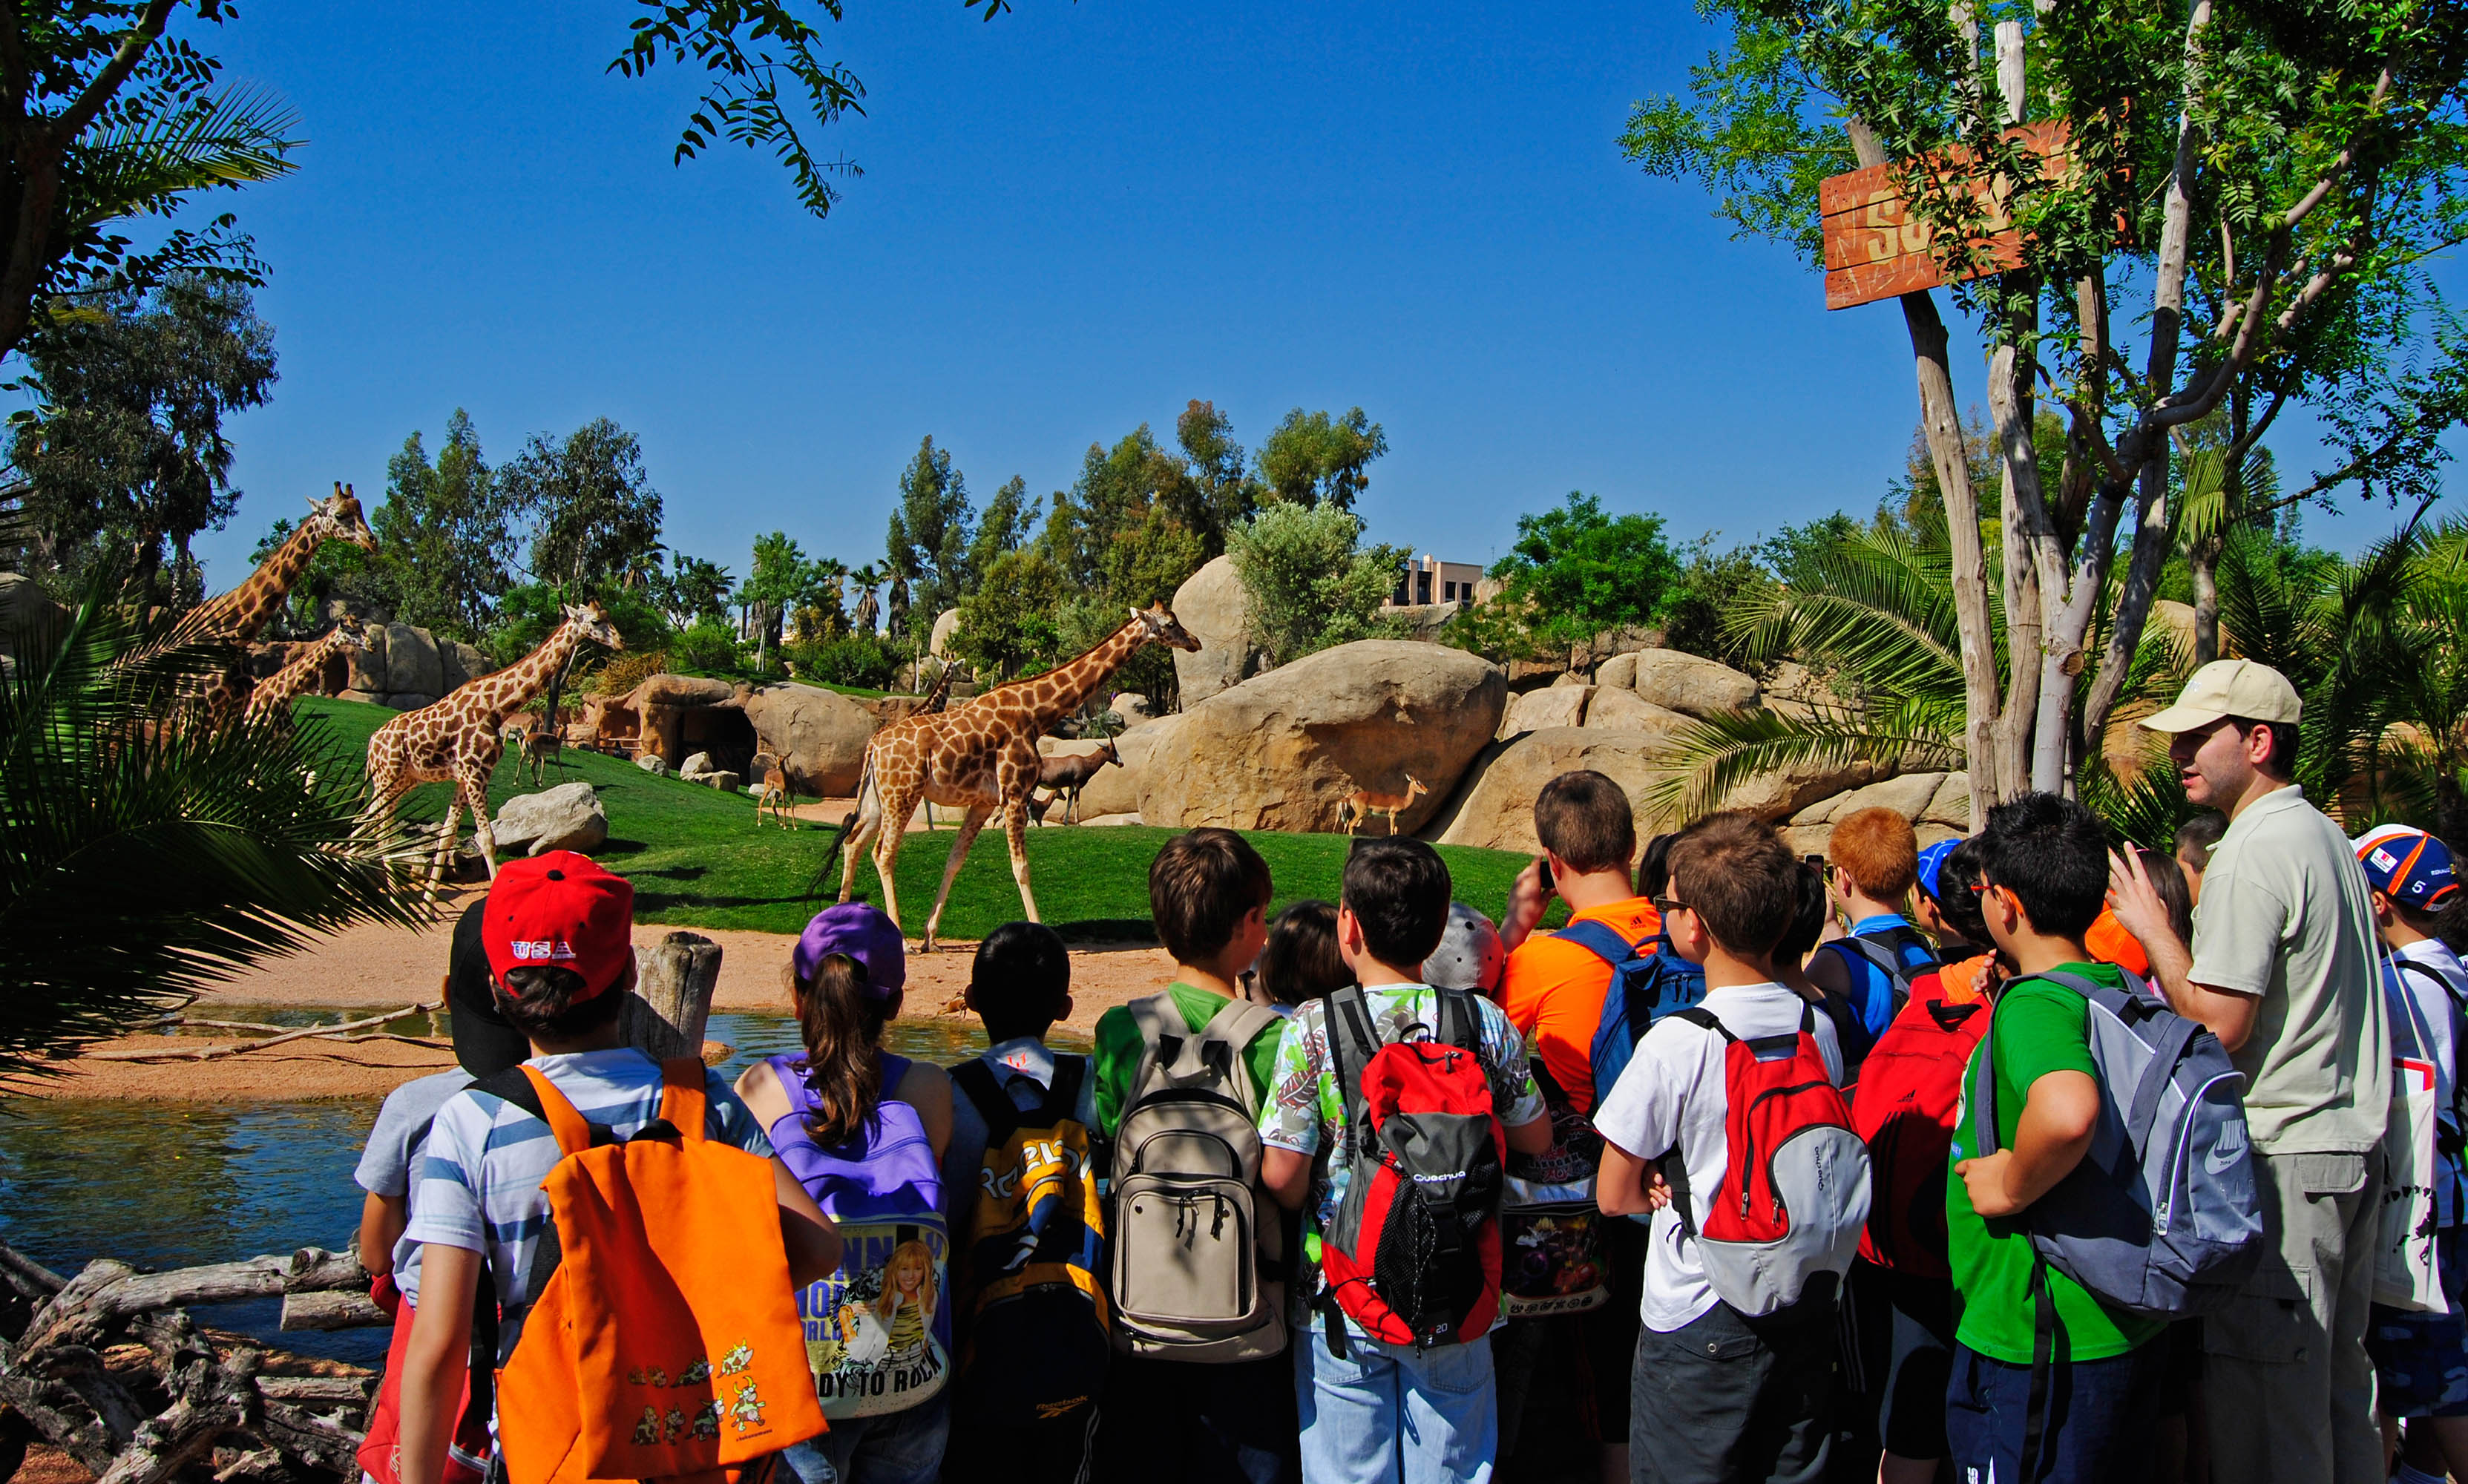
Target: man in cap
2282	969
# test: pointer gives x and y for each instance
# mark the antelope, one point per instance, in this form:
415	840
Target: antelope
1067	773
1358	808
773	797
541	742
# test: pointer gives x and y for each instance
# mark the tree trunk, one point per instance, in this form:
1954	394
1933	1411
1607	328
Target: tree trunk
666	1011
2203	558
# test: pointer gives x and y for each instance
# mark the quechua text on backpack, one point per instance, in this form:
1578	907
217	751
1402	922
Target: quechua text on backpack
1782	1227
878	1330
1033	1347
1196	1274
1413	1253
662	1342
1649	981
1903	1111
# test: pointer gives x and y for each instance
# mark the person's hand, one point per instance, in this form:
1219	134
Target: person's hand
1984	1177
2136	902
1527	899
1658	1190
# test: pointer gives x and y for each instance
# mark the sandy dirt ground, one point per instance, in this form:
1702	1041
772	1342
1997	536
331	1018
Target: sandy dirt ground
371	969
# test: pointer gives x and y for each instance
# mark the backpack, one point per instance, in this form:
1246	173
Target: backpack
2451	1141
1903	1111
1035	1314
1649	981
2161	1217
1787	1218
1901	955
1551	1235
1196	1274
1413	1253
878	1330
663	1340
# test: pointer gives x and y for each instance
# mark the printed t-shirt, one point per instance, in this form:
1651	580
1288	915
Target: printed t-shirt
1305	1110
480	1185
391	1162
1118	1058
2039	1028
2425	1026
2286	915
1676	1096
1554	991
1023	1068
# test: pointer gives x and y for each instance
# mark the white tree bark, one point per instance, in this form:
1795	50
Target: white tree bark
666	1011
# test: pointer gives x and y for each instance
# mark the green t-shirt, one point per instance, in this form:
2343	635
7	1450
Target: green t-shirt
2037	1028
1118	1058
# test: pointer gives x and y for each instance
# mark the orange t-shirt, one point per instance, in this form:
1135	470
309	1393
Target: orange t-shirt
1554	991
2111	943
1961	982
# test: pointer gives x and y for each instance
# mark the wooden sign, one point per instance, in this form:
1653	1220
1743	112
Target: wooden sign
1877	247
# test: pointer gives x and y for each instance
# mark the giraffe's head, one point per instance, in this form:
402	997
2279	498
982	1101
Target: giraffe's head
1163	628
339	514
594	622
350	634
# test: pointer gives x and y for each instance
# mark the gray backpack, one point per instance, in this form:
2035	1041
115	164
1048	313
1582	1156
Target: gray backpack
2160	1217
1198	1252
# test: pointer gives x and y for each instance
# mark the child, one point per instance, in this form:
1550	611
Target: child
2196	839
1208	895
2421	1359
559	934
1718	1395
1469	957
1872	862
1019	984
2043	861
863	1130
1301	963
1375	1413
1951	922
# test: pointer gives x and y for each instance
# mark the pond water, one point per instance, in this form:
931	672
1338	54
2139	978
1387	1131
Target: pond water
173	1184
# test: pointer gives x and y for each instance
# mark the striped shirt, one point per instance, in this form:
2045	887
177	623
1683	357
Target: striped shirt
480	1184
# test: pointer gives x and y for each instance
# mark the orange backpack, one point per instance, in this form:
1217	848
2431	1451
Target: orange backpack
666	1345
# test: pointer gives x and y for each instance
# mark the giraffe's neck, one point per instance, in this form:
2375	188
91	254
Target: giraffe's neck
512	689
238	614
1065	690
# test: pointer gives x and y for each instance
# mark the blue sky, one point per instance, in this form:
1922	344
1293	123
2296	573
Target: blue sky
1072	221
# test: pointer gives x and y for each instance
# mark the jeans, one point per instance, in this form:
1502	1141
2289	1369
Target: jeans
1387	1414
1726	1400
1220	1424
2098	1428
892	1448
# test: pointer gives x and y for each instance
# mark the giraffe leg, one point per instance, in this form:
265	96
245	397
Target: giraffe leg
970	825
477	793
870	831
445	844
1015	835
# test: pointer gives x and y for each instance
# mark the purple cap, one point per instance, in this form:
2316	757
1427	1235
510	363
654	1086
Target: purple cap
859	930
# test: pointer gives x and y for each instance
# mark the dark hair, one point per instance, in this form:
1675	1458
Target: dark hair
842	1026
1584	818
542	1002
1301	962
2281	762
2176	894
1019	979
1734	872
1201	884
1808	916
1956	901
1398	890
2199	836
1654	868
2051	853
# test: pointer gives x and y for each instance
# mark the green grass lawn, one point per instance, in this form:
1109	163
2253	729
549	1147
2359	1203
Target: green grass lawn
697	858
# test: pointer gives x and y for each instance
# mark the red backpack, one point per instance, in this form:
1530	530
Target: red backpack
1413	1255
1787	1218
1903	1111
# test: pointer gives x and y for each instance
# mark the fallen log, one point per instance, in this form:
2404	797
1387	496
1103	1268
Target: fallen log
345	1311
210	1053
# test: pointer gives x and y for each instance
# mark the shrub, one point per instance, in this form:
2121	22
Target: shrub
863	661
706	644
1309	581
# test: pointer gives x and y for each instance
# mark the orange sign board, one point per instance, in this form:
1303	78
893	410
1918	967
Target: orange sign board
1877	247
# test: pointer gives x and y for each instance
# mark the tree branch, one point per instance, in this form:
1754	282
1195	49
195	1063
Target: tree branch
72	120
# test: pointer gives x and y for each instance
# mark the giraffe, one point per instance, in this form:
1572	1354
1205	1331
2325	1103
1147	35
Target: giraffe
271	696
232	619
459	739
981	756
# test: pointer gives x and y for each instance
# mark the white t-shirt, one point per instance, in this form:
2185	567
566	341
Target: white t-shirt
1673	1095
2421	1023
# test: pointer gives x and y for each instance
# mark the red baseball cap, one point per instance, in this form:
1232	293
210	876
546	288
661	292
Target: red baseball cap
559	910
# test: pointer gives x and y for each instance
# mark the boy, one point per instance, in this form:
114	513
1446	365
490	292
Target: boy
1384	1414
1716	1395
1222	1424
2421	1359
2044	863
1871	862
558	931
1019	984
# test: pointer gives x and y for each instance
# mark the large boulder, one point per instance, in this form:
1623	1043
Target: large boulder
26	616
666	690
1215	609
1616	710
408	700
1496	810
1795	691
1553	705
1777	796
365	668
1691	684
566	817
819	736
1130	709
1281	751
1116	791
412	663
945	623
1421	620
1620	670
1938	805
463	663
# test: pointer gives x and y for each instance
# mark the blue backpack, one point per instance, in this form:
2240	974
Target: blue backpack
1649	980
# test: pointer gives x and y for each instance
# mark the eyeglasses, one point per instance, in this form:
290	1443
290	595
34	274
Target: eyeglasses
1667	906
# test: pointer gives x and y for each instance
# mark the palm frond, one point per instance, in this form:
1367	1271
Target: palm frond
1704	763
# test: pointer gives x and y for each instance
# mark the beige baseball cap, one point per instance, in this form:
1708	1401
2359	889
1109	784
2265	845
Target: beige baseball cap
2229	688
